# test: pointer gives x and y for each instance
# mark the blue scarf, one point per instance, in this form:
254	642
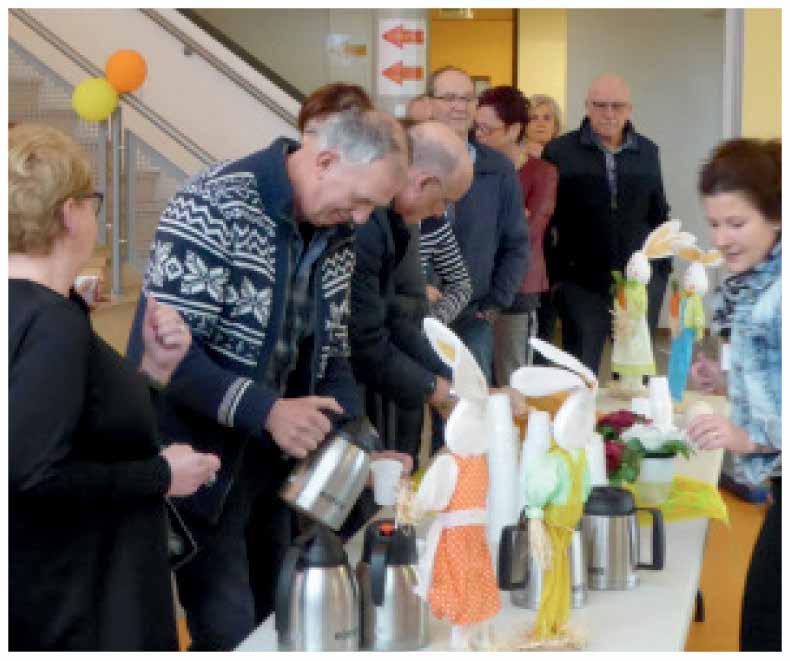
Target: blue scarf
741	285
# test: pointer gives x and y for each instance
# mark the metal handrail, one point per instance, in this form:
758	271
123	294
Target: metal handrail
220	66
86	65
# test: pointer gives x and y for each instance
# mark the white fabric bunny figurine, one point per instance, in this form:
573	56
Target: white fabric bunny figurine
557	481
632	350
456	574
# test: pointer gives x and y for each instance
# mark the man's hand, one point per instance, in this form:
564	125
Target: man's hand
432	293
490	315
707	375
518	402
166	340
297	425
441	394
713	431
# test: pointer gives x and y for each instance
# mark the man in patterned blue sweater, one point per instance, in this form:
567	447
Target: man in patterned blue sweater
257	255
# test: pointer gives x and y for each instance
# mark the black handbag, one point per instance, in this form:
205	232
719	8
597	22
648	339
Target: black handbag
181	546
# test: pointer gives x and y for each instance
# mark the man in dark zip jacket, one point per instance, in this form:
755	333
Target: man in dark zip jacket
257	255
610	196
390	354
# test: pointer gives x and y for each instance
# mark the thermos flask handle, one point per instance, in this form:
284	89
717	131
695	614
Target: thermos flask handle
505	562
282	615
378	567
659	544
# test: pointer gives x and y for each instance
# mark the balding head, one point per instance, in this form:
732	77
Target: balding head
440	172
608	107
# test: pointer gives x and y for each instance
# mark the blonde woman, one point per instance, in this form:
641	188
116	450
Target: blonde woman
88	554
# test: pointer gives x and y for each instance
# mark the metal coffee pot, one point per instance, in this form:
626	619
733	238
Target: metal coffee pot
520	575
325	485
393	617
317	600
611	535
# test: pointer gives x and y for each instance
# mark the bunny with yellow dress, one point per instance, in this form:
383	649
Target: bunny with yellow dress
557	481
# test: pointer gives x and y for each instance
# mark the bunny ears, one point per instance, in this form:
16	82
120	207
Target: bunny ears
542	381
667	240
708	258
468	379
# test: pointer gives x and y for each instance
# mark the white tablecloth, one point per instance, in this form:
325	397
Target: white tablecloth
653	617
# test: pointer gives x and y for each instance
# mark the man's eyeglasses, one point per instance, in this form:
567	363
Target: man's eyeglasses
615	106
482	129
97	198
449	99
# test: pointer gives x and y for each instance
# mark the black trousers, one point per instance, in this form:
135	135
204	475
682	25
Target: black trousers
761	614
587	322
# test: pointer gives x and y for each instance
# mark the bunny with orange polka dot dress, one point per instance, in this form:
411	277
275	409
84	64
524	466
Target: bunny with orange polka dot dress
456	573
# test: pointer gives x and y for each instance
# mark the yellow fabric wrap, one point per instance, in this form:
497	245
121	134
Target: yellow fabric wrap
688	499
560	521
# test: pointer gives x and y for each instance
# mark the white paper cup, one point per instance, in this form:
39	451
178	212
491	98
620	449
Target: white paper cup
91	284
660	401
641	406
386	473
655	479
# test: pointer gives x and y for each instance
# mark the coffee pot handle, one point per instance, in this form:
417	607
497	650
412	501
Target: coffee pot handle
378	571
505	561
282	616
659	541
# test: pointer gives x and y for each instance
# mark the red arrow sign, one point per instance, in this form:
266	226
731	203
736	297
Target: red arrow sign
397	73
398	36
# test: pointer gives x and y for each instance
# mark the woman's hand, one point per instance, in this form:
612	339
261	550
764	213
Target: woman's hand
712	431
534	149
189	470
166	340
707	375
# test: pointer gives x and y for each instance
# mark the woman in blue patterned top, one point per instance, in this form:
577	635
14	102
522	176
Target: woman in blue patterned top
741	187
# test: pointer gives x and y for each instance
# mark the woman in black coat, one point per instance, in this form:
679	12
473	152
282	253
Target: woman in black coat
88	555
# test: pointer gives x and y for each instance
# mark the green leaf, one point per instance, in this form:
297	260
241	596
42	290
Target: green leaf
636	445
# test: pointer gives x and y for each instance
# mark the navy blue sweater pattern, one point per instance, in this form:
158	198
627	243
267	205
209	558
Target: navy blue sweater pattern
220	257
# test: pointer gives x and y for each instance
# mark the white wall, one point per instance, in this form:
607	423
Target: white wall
190	94
291	42
672	60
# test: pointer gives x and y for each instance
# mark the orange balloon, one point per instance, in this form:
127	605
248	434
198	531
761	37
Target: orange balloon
125	70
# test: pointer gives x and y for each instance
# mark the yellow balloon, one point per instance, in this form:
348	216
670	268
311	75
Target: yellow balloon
94	99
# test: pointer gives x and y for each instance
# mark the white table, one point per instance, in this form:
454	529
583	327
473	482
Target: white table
653	617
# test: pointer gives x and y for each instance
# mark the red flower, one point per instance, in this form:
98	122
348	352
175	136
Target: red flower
614	454
620	420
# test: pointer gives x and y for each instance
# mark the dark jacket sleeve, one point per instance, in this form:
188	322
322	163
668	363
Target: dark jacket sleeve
659	212
513	251
51	368
659	207
198	382
377	345
555	259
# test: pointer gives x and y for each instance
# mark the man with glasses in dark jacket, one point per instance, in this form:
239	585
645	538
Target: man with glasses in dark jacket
609	198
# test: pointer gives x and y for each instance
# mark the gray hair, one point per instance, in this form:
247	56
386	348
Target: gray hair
360	137
545	100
